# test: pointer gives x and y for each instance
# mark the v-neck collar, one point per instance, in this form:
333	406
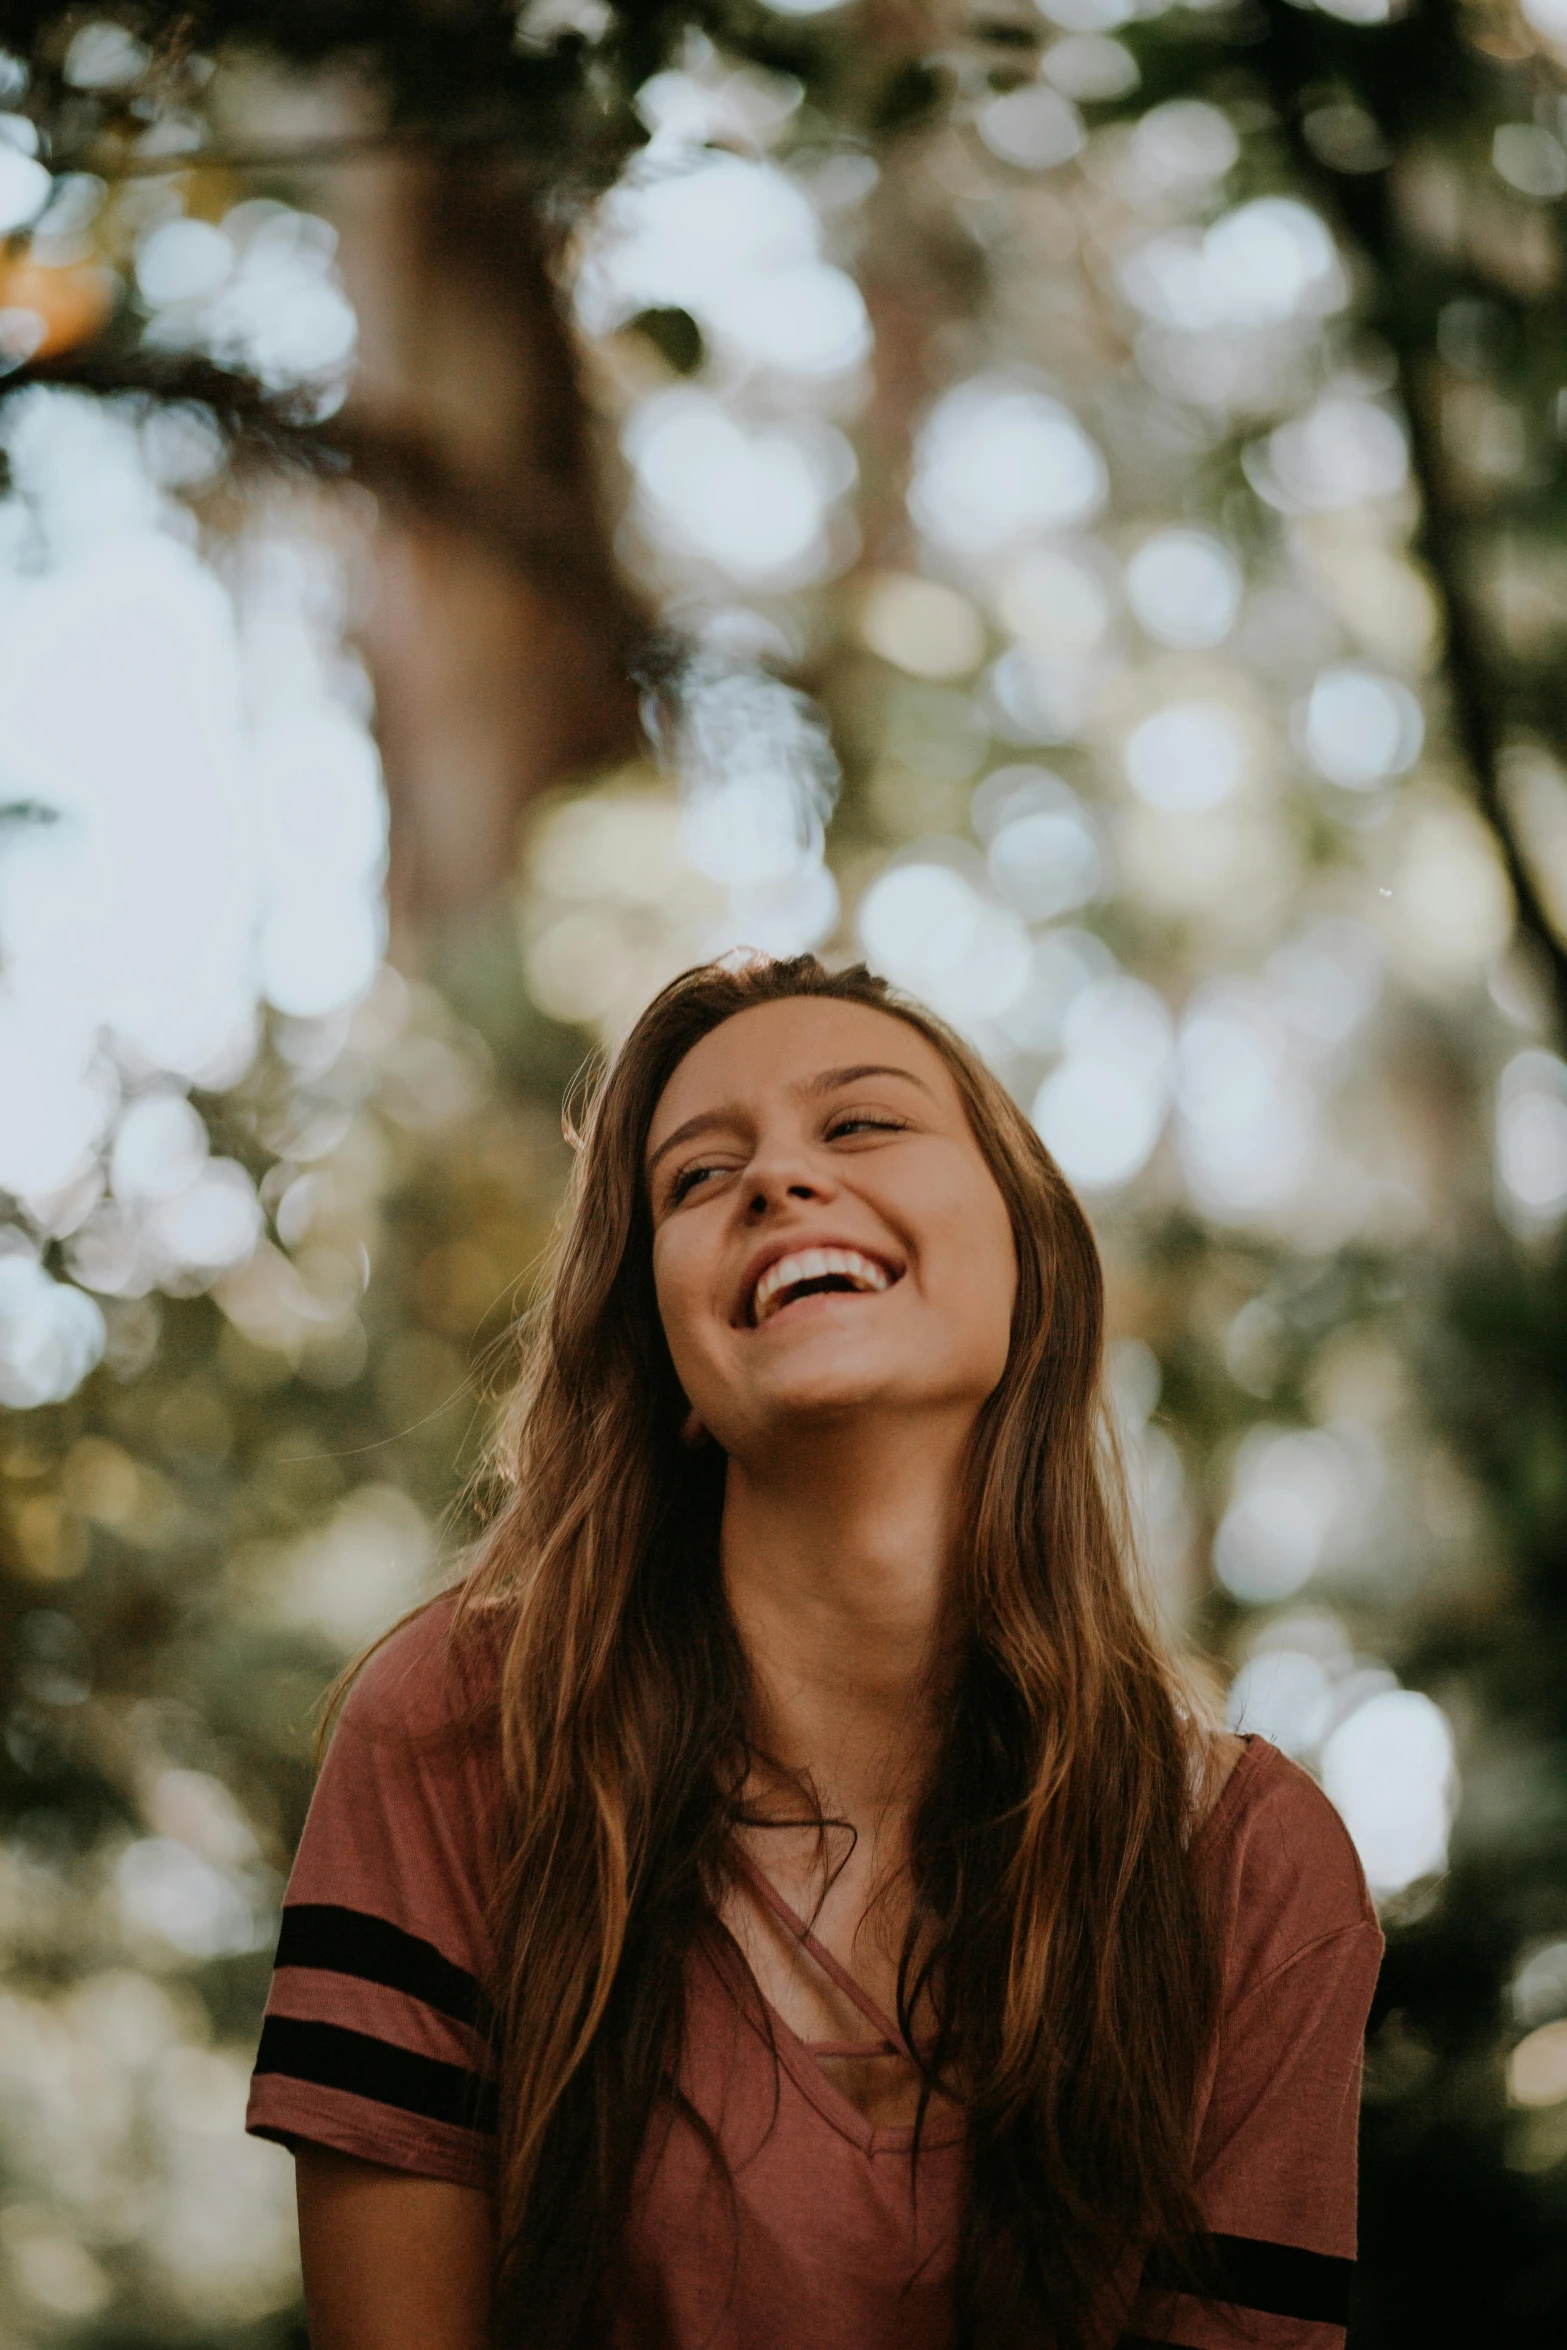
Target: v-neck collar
943	2126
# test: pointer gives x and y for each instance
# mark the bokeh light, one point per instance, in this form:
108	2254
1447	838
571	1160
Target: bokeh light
1103	1109
1185	587
996	462
1531	1138
1537	2068
51	1334
1256	267
1247	1117
932	931
1033	128
1295	1494
209	838
1361	728
1389	1767
1187	758
922	626
753	503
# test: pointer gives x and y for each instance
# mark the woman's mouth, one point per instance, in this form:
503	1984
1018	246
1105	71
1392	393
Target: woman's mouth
813	1272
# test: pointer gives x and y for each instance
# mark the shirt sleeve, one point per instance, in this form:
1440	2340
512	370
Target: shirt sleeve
376	2036
1276	2153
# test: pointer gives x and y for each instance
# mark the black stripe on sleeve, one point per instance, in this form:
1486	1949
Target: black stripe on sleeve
337	1941
1280	2280
329	2056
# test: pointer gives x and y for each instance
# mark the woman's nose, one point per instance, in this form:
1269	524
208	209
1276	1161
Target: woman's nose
779	1176
762	1198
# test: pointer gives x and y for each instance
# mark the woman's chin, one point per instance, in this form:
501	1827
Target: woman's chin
821	1388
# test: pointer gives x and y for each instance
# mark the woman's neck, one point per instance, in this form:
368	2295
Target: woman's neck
835	1567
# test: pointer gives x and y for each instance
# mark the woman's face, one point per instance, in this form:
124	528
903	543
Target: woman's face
827	1237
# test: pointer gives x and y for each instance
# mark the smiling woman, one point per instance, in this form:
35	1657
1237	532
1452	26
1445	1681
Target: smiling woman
784	1896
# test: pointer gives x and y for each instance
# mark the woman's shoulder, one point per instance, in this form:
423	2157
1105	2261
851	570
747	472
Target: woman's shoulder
433	1677
1281	1867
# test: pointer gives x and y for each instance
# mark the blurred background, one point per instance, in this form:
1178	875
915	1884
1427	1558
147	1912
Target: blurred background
1065	501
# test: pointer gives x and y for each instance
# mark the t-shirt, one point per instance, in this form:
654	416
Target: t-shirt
824	2235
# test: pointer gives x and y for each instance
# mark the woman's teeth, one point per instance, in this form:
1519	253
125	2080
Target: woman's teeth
810	1268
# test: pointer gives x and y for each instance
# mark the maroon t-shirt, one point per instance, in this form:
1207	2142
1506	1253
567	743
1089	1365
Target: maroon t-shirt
824	2235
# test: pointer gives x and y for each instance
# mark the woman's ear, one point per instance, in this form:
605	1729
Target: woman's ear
692	1432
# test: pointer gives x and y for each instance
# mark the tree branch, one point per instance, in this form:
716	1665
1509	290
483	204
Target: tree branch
1361	208
313	155
535	519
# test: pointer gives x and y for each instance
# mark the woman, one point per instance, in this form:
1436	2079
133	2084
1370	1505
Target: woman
781	1900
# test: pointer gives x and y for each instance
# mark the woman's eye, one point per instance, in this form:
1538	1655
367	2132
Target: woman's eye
863	1123
687	1181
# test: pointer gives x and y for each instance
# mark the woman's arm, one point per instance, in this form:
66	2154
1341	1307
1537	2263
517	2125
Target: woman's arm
392	2262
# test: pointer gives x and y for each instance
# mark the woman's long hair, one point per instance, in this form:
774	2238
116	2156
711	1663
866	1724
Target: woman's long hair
1058	1944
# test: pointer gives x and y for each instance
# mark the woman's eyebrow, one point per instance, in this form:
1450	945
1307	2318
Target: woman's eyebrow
705	1122
830	1080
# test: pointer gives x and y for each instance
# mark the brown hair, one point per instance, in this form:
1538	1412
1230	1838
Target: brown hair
1057	1939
